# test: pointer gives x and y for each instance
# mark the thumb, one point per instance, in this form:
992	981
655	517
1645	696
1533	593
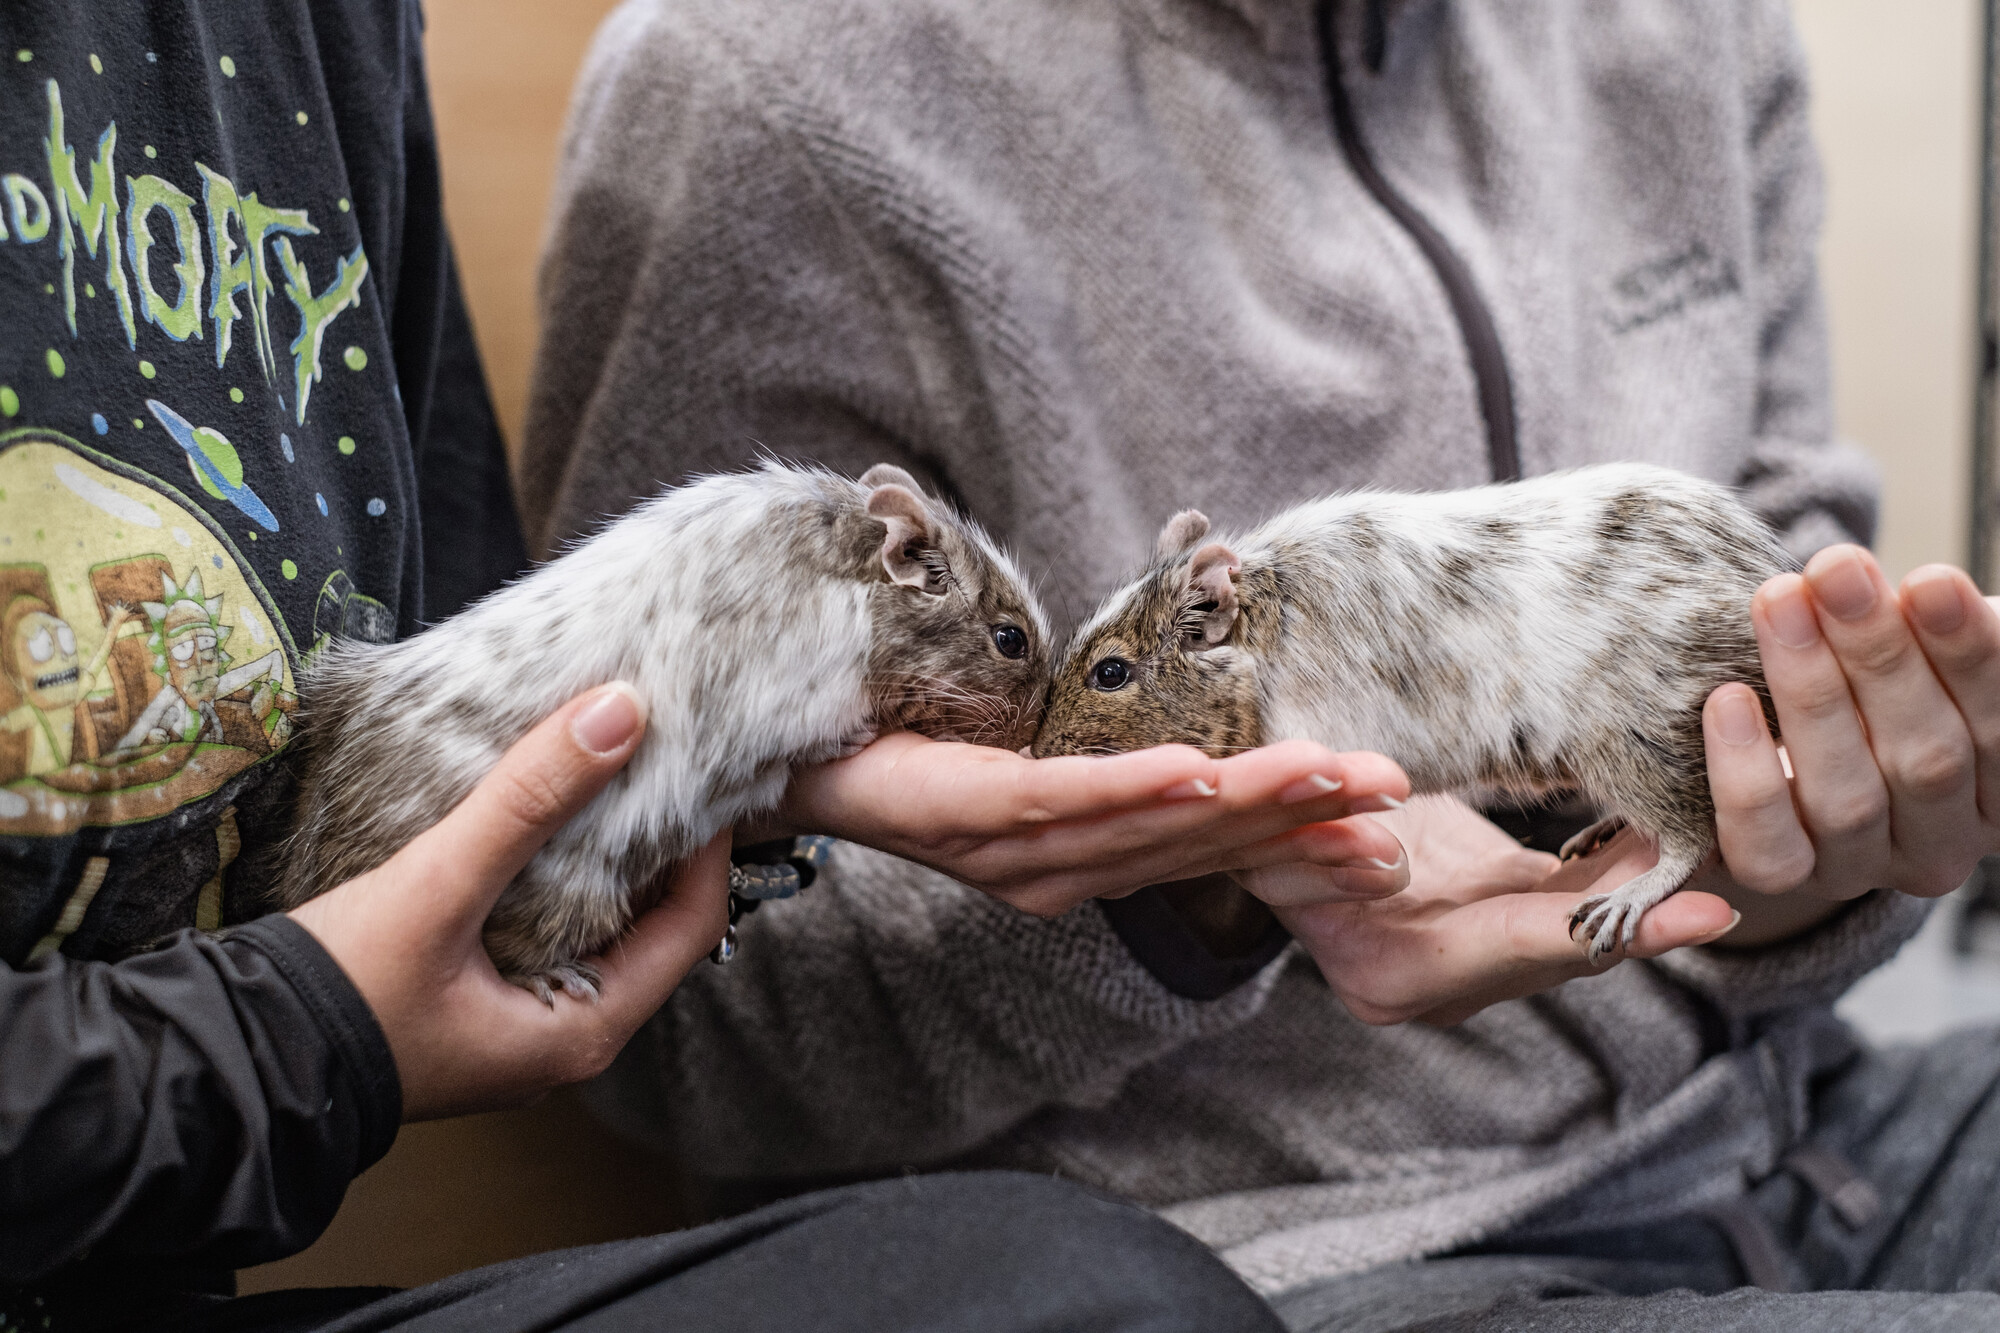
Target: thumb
538	786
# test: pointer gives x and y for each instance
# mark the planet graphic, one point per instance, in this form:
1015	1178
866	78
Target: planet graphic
215	464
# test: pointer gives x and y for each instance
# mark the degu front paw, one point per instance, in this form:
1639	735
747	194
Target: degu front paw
580	980
1604	922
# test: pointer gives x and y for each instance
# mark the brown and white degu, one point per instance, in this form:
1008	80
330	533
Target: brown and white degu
768	619
1554	634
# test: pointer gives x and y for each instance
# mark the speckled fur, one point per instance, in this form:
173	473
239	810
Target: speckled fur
760	616
1558	633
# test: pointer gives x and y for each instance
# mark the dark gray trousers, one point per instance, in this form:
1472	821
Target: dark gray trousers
1910	1240
993	1252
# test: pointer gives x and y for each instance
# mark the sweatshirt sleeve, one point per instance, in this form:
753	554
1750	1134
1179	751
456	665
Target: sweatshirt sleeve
1813	490
889	1017
207	1102
1815	968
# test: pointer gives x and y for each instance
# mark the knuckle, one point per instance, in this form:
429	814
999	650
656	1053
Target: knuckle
1375	1014
578	1066
1878	654
1934	770
1774	872
1387	997
1817	697
531	796
1957	657
1850	816
1758	795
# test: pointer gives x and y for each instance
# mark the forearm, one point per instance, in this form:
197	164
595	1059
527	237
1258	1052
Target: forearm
207	1101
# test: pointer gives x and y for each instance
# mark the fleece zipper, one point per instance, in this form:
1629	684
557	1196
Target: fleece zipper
1475	321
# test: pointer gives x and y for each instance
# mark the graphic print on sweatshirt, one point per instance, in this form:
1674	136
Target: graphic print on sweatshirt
203	465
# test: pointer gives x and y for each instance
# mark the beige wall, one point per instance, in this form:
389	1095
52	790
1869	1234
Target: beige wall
1896	114
500	78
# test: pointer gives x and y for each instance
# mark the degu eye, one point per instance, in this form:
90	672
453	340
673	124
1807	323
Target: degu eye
1110	674
1010	641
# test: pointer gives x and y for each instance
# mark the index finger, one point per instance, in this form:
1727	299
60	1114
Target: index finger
950	789
1049	791
1961	636
1258	796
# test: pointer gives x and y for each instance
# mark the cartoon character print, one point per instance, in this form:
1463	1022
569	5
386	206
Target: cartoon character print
42	666
186	642
121	697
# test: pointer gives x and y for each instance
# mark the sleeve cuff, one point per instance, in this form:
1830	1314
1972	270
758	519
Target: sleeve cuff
345	1019
1159	941
1814	968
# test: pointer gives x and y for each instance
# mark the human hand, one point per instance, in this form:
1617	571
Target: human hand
1047	834
408	932
1889	706
1484	919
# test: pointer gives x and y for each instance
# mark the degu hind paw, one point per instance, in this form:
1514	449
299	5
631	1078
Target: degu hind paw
578	979
1603	923
1590	839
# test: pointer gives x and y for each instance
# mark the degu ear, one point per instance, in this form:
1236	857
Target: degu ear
1211	593
888	474
1182	531
910	537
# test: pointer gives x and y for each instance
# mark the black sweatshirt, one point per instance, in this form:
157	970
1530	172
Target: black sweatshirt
234	368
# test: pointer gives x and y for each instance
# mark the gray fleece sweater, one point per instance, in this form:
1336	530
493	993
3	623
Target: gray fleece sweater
1081	263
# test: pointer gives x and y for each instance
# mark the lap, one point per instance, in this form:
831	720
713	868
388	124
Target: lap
1920	1126
977	1251
999	1251
1520	1294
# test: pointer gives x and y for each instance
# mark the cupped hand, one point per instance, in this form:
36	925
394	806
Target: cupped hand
1483	919
408	932
1889	706
1047	834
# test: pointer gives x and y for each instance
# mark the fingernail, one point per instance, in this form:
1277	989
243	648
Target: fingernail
1375	801
1735	920
1182	791
1844	588
1935	601
609	719
1352	880
1310	787
1400	867
1736	717
1792	617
